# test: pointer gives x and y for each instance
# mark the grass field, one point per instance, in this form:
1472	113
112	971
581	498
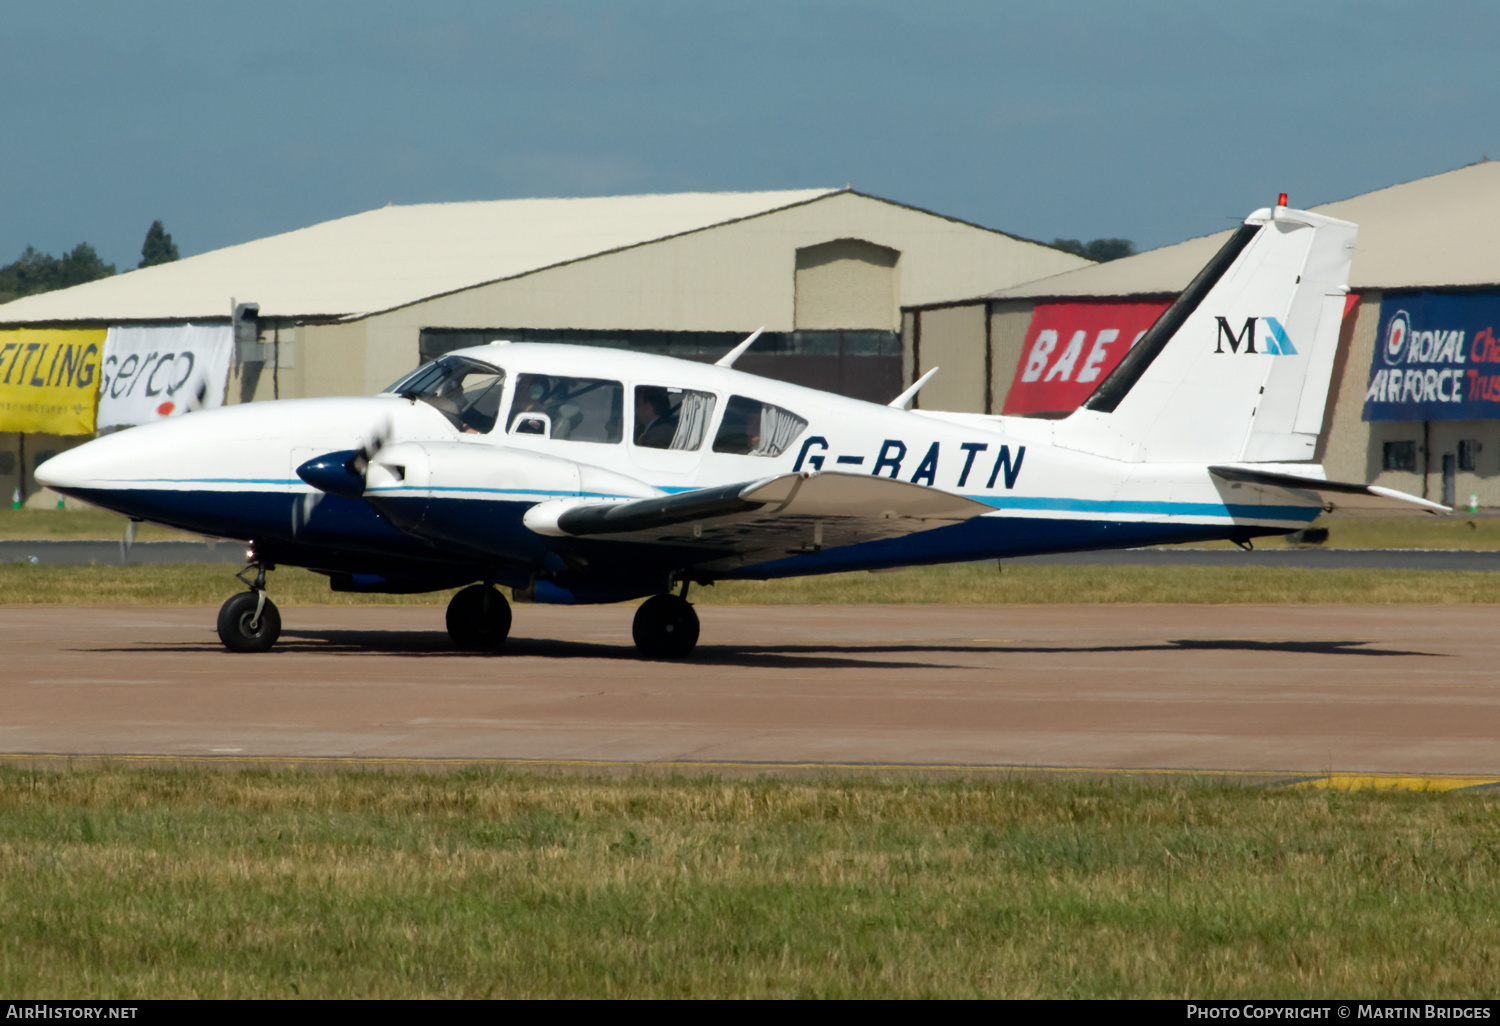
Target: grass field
80	524
174	883
979	583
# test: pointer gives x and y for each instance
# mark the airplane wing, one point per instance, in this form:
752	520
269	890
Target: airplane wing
1338	498
786	515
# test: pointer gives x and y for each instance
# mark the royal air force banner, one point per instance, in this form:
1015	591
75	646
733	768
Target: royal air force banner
1070	348
1437	357
149	374
49	380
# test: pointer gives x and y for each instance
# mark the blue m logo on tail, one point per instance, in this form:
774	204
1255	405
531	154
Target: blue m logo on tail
1276	342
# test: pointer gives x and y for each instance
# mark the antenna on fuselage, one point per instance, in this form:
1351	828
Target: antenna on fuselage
903	401
727	360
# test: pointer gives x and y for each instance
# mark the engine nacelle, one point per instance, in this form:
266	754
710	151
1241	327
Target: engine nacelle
487	493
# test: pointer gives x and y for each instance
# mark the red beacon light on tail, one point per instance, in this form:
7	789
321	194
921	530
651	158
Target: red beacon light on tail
1281	199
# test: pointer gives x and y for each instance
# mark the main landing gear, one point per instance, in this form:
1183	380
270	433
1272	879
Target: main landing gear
478	617
250	622
665	627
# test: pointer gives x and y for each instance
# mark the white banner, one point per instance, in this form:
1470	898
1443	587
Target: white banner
149	374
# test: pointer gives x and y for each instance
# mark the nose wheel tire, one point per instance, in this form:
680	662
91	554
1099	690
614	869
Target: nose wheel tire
478	617
244	629
666	627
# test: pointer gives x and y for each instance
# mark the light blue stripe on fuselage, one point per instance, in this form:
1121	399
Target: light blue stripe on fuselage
1006	502
1171	509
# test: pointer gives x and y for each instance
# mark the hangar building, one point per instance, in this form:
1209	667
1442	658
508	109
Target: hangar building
350	305
1426	271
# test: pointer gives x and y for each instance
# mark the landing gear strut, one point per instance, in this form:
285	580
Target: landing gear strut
250	622
665	627
478	617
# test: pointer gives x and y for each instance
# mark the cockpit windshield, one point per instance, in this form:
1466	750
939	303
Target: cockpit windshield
462	389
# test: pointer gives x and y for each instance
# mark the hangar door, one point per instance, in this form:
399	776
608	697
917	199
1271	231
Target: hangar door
847	284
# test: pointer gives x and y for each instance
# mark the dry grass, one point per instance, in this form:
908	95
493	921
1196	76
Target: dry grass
175	584
965	584
1459	531
75	525
136	883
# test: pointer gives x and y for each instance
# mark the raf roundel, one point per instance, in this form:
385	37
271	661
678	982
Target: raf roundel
1395	337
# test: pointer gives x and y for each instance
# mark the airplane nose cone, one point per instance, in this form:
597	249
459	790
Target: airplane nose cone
75	468
330	473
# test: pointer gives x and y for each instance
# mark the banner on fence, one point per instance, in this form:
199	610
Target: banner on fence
49	380
152	373
1437	357
1069	349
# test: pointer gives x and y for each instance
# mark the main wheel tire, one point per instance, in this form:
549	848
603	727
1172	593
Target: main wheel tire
241	631
665	627
479	617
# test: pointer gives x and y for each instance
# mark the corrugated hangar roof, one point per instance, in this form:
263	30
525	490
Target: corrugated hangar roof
1437	231
385	258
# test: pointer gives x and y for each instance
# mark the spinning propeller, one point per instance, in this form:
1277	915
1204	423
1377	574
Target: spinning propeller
342	473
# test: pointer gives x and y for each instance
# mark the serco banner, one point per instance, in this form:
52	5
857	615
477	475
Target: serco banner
1437	357
150	374
49	380
1069	349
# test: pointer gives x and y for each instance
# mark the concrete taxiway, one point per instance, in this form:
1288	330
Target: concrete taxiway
1310	689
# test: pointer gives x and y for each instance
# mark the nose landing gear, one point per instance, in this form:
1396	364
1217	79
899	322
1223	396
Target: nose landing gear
665	627
250	622
478	617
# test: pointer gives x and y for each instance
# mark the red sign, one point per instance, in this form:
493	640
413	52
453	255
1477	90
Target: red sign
1069	349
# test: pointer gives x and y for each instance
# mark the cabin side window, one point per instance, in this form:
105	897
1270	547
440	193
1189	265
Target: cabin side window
464	390
754	428
671	418
571	409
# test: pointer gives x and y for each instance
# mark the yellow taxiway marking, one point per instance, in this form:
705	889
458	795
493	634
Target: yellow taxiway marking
1395	782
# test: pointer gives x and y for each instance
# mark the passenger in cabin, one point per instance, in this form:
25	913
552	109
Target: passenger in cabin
740	432
655	425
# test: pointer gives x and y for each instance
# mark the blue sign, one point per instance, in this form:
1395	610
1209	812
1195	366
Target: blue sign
1437	357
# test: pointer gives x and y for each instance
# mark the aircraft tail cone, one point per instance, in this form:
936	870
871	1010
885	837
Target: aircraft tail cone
331	473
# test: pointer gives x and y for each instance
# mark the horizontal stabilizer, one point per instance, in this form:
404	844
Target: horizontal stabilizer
1338	498
789	514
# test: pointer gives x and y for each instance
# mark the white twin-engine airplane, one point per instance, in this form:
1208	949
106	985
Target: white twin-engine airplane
574	474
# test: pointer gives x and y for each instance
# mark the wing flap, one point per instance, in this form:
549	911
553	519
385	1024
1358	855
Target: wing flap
1338	498
791	513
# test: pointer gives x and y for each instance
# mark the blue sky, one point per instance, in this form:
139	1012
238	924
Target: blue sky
1147	120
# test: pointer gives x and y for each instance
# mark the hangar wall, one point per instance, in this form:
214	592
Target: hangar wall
977	346
1356	448
953	340
732	277
830	275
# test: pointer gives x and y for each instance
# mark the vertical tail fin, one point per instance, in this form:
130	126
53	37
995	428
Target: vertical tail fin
1237	368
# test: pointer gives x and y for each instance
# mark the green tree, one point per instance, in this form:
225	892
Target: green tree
158	247
1100	250
41	272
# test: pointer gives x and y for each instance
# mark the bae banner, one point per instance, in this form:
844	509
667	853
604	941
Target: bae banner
1069	349
150	374
1437	357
